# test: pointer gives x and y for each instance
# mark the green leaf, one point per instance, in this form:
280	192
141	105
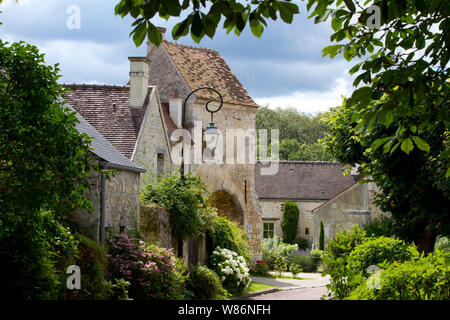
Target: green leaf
139	33
421	144
332	51
197	26
181	28
154	35
350	5
379	142
208	26
256	28
407	145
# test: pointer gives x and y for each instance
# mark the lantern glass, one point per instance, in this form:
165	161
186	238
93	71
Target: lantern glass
211	136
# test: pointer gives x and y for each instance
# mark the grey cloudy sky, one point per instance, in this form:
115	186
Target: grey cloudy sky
282	68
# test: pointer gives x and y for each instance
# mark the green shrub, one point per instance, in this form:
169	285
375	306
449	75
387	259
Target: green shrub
335	260
273	249
295	269
423	278
380	226
302	243
376	251
183	198
281	264
204	284
92	262
321	237
260	268
303	259
117	290
290	221
34	256
224	233
316	257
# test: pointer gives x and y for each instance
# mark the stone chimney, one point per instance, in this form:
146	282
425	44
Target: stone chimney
175	107
138	81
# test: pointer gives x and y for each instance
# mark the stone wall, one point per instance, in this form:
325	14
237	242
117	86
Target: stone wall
152	139
353	206
88	223
155	226
272	211
121	207
122	202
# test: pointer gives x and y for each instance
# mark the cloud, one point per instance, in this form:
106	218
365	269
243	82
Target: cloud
310	101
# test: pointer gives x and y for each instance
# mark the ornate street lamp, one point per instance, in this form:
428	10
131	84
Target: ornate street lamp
211	132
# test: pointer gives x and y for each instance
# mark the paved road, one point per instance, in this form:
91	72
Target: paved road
312	286
294	294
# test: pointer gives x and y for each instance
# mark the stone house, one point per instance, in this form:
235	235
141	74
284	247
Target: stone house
129	117
115	199
353	205
176	70
129	120
321	192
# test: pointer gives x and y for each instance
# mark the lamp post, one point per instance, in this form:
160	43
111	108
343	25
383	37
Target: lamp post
211	132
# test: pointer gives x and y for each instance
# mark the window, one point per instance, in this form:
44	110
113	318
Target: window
160	165
306	230
268	231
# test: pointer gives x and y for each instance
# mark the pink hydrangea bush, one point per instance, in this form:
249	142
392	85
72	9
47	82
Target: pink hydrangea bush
153	272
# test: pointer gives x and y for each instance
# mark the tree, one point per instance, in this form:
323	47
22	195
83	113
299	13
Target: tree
290	222
413	187
43	163
299	133
204	17
321	237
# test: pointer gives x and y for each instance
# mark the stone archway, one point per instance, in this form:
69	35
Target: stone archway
228	206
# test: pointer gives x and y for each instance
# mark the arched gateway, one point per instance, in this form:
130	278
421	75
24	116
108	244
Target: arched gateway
228	206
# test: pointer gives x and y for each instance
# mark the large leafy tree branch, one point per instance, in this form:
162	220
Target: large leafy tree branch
204	16
402	76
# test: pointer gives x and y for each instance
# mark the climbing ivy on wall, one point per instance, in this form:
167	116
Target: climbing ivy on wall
183	198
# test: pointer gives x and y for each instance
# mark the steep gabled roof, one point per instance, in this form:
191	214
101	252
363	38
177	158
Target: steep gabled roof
107	109
201	67
103	149
303	180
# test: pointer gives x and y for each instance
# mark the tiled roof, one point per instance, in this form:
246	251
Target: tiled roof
103	148
168	121
303	180
107	109
201	67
